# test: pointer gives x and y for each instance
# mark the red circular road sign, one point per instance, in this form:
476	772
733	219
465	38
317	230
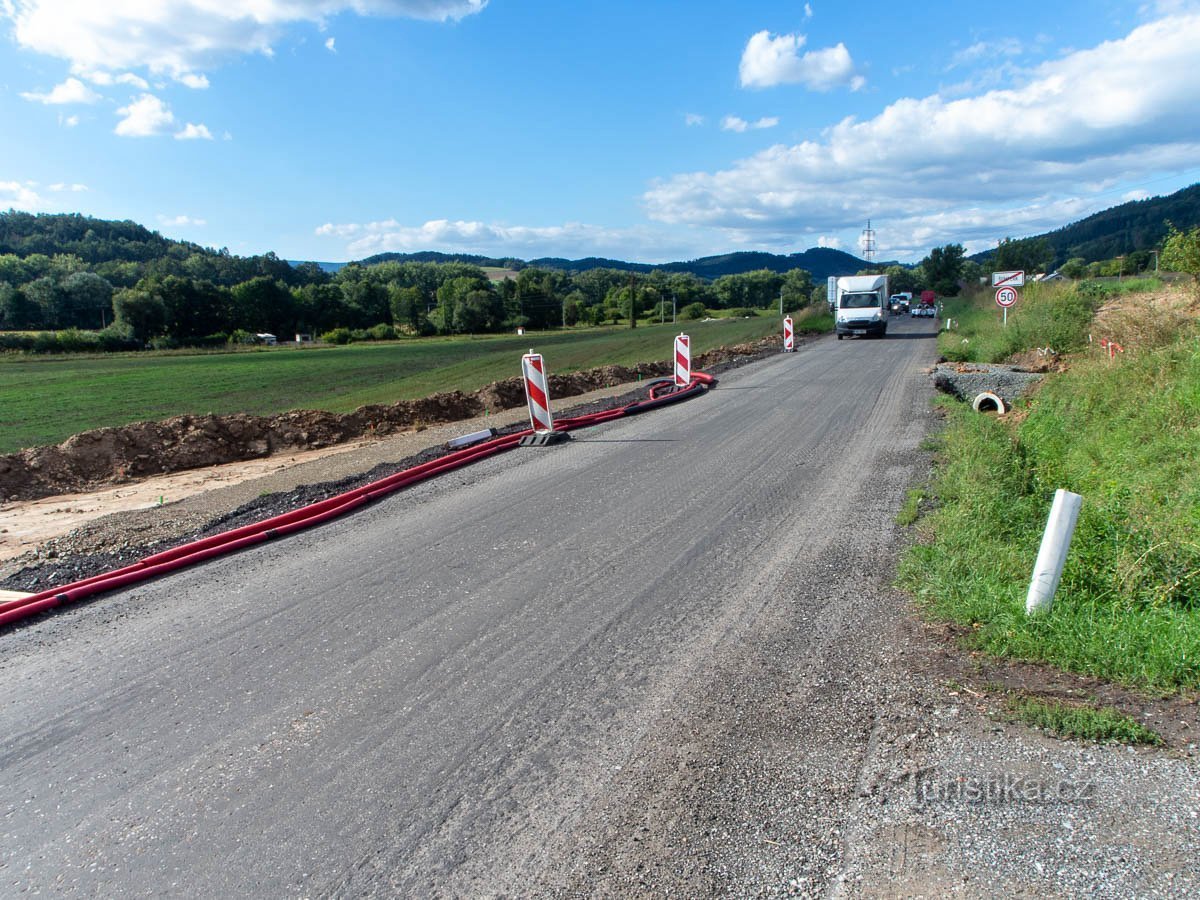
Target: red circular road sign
1006	296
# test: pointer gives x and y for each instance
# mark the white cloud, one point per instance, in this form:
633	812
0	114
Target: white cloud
108	79
73	188
1137	194
22	196
832	243
808	11
768	61
145	117
70	91
194	132
180	38
192	80
734	123
68	121
691	119
571	240
997	163
180	221
330	45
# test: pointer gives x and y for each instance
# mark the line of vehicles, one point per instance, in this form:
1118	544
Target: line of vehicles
861	305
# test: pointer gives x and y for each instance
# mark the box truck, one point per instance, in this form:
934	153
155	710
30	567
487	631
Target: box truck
862	306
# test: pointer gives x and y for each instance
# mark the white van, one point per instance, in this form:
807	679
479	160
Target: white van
862	306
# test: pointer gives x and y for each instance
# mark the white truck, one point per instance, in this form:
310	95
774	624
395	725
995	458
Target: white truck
861	306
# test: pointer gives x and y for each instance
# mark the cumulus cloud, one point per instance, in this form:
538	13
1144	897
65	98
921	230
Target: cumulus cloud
70	91
829	241
73	188
933	169
68	121
330	45
572	239
145	117
192	132
734	123
18	195
770	60
181	38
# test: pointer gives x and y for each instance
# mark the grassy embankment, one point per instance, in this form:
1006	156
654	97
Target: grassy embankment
45	400
1125	435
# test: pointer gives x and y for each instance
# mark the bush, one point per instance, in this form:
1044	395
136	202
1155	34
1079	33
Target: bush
743	312
117	338
337	336
382	332
163	342
693	311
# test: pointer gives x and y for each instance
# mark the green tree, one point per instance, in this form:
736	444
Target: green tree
1029	254
263	304
1181	252
943	268
797	289
17	312
88	300
901	279
1074	268
140	312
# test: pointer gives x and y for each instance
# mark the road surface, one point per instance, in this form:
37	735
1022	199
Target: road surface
508	681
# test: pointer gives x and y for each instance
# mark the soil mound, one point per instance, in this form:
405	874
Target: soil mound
111	455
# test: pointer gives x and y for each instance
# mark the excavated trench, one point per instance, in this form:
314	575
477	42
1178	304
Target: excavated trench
105	456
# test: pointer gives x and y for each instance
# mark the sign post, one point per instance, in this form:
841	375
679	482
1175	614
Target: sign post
1006	297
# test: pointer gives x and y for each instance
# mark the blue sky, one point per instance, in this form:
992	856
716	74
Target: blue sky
334	129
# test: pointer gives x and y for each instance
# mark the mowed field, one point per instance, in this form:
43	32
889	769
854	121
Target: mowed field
46	400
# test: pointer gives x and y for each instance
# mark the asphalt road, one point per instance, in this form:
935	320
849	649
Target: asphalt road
439	694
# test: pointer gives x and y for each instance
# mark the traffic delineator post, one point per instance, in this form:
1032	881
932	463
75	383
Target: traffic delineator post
789	335
683	361
537	391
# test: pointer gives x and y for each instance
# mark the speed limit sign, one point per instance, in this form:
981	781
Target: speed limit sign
1006	296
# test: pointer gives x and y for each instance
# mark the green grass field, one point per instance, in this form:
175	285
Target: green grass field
46	400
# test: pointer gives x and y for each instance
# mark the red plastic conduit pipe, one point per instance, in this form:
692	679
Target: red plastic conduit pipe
661	393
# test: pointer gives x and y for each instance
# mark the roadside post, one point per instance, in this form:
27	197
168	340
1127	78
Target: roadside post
1006	284
537	397
1052	555
789	335
683	361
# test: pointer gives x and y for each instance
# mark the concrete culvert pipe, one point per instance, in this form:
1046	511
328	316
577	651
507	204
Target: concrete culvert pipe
989	402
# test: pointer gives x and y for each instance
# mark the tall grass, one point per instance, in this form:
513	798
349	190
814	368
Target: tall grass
1125	435
1055	315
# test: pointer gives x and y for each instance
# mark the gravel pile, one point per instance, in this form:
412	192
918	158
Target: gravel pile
966	381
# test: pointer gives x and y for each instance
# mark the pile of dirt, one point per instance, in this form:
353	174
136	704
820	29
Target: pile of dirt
112	455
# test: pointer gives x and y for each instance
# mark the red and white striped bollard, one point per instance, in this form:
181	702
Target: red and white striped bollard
537	392
683	361
789	335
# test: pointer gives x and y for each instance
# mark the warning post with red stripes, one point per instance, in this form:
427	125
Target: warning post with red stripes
789	335
537	392
683	360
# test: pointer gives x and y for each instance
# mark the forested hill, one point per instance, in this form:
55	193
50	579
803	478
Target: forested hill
820	261
1124	229
124	252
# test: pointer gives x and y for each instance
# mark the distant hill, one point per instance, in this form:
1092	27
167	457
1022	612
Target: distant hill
1137	225
820	261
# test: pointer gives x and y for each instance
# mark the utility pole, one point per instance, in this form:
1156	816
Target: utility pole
781	300
673	301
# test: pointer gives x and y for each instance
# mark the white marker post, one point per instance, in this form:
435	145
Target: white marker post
1052	555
